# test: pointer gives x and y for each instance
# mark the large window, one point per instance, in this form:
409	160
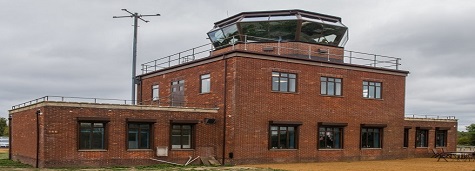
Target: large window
181	136
92	135
406	137
422	138
284	82
330	137
330	86
139	135
441	138
155	92
283	137
371	90
371	137
205	83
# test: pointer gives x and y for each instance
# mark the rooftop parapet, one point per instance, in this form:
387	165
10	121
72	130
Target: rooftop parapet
301	50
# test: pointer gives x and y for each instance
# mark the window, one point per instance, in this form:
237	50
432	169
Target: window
330	137
205	83
92	135
371	90
139	135
330	86
422	138
181	136
283	137
406	137
441	138
155	92
371	137
284	82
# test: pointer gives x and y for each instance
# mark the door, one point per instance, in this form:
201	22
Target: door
177	97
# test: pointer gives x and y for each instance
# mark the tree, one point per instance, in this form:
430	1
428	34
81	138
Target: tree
3	126
467	138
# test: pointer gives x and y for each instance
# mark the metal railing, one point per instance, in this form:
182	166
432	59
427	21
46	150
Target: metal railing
424	116
160	103
350	57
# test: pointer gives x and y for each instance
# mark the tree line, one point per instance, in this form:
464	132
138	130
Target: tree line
468	137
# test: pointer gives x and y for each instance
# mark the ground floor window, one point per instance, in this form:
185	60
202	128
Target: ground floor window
330	137
283	137
139	135
371	137
406	137
181	136
422	138
92	135
441	138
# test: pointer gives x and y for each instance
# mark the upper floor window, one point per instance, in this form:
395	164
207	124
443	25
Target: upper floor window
330	137
372	90
139	135
205	83
284	82
422	138
283	137
330	86
371	137
155	92
92	135
441	138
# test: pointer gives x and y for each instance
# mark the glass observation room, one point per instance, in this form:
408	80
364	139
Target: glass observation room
283	25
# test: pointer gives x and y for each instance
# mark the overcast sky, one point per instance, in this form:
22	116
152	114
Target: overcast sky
76	48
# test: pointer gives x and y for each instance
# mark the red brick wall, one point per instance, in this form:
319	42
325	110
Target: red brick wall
24	136
60	137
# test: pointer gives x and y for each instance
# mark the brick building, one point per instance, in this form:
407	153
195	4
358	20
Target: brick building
278	86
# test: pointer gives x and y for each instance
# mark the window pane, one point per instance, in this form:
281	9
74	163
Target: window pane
274	139
98	138
365	91
378	93
292	85
291	138
331	90
292	76
323	88
283	139
283	84
338	89
275	84
133	139
371	92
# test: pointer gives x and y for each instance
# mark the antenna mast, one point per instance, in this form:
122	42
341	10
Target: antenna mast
136	17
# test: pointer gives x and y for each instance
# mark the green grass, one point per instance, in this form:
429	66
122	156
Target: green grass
5	163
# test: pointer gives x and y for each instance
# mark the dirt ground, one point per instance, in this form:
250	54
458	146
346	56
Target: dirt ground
417	164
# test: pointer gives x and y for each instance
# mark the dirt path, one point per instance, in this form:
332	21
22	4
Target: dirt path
417	164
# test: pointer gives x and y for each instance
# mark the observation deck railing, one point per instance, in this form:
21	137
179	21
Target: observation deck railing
424	116
242	42
162	102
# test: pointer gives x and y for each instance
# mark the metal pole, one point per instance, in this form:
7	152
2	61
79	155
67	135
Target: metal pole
134	57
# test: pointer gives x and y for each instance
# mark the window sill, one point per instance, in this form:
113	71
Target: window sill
139	150
371	148
284	92
323	95
276	149
92	150
205	93
372	99
330	149
178	149
422	147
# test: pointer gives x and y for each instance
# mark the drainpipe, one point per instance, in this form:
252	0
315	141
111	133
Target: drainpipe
224	110
38	113
9	137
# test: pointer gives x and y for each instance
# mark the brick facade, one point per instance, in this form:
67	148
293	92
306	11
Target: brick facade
244	106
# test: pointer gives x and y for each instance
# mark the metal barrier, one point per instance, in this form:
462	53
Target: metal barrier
423	116
160	102
350	57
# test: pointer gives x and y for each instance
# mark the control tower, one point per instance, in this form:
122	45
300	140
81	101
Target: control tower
289	29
